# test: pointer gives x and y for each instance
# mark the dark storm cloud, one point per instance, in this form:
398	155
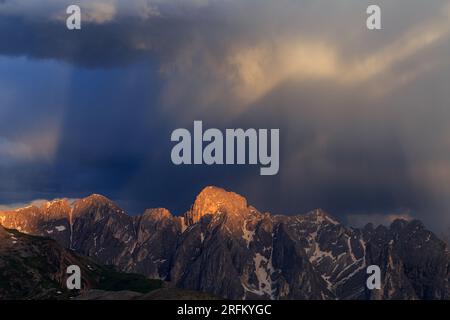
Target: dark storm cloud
108	38
104	45
363	116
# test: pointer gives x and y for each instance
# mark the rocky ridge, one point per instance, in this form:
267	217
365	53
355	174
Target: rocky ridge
228	248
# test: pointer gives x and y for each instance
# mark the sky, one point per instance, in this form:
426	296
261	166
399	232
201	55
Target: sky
364	116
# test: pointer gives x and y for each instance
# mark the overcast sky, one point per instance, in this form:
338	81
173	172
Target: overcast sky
364	116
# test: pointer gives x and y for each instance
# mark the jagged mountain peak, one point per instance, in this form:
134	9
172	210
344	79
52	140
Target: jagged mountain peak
212	200
321	216
400	223
157	213
97	200
219	194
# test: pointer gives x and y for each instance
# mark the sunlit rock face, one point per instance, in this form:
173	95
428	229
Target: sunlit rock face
226	247
212	200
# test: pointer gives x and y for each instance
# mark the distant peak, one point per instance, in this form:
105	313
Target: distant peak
320	212
220	193
401	223
157	213
98	198
212	200
322	216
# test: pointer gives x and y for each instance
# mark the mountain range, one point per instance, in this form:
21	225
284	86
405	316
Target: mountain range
226	247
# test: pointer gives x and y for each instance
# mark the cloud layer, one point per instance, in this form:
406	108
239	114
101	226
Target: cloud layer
364	116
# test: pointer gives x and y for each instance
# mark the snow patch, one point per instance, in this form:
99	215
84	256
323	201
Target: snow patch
160	260
247	235
129	239
60	228
351	274
133	247
319	255
331	220
263	272
71	227
350	250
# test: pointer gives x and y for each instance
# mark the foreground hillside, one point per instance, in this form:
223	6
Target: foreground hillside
35	268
